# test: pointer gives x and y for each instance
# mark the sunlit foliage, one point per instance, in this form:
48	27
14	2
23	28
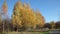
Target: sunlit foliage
23	15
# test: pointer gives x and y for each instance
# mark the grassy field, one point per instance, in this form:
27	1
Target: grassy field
27	33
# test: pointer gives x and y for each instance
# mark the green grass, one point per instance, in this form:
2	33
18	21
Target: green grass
44	32
28	32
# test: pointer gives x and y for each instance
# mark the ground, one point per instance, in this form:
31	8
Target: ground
27	33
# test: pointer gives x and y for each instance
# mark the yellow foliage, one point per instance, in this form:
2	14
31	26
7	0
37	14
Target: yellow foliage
26	17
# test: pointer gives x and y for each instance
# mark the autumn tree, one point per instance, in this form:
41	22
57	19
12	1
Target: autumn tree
29	16
25	17
40	19
52	24
16	17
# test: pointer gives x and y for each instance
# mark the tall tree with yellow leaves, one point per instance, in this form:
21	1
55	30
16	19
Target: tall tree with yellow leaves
40	19
28	16
16	17
24	16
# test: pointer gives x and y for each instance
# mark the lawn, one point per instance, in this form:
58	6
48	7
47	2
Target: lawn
27	33
43	33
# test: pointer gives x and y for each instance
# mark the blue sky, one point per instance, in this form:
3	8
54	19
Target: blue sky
50	9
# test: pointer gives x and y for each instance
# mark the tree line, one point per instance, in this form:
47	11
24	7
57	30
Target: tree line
23	17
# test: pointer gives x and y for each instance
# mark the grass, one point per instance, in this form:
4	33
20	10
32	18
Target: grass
44	32
27	33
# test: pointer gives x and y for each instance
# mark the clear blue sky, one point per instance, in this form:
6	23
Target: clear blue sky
50	9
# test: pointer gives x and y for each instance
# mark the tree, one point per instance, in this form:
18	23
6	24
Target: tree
52	24
47	25
28	17
16	17
4	11
0	22
4	8
40	19
57	25
25	17
0	17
